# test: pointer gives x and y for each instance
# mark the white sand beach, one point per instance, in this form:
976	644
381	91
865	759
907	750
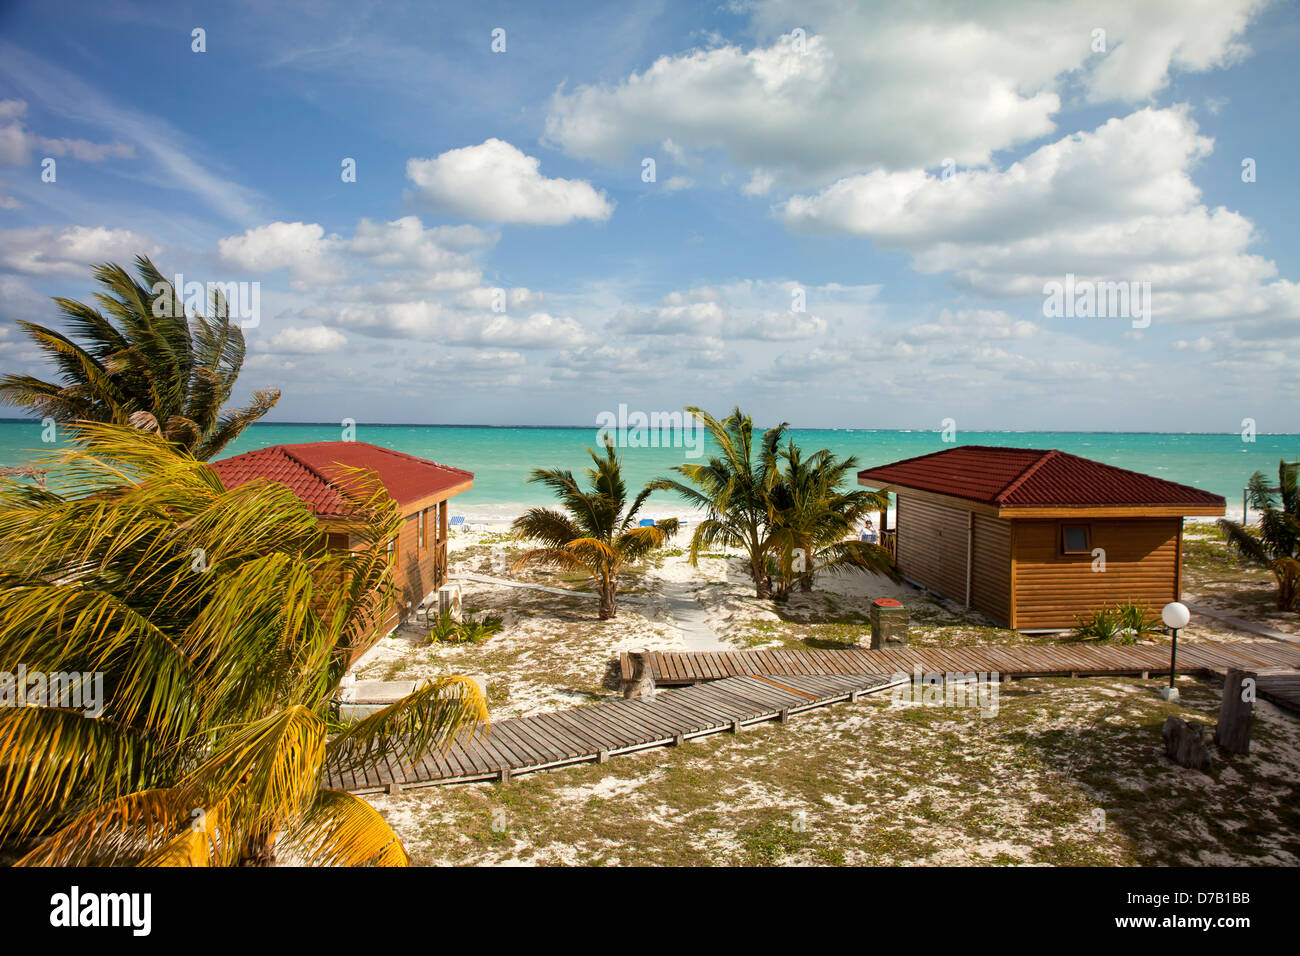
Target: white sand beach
883	785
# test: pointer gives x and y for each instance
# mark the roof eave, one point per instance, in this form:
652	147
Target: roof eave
1186	510
996	509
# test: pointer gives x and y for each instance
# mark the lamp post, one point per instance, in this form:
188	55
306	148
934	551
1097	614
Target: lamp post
1175	615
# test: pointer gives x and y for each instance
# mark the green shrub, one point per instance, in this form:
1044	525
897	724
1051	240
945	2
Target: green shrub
1103	624
1123	623
470	630
1139	621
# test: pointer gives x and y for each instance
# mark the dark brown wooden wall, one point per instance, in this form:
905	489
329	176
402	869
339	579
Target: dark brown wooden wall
932	545
991	569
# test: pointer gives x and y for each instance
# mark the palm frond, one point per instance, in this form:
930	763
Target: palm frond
429	718
343	830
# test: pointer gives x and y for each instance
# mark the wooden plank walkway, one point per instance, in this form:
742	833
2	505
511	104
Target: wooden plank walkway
1281	689
1281	685
677	668
595	733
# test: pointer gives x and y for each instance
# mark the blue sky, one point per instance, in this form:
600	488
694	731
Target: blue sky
913	173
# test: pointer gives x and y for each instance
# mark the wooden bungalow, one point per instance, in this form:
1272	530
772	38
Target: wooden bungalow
313	471
1031	538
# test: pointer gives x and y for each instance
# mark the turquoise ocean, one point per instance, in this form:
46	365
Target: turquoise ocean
502	457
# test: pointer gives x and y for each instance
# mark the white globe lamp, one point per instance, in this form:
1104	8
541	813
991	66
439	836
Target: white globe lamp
1175	615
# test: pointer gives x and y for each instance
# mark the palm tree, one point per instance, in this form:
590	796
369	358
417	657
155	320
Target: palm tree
732	488
810	516
146	364
1277	544
220	626
594	534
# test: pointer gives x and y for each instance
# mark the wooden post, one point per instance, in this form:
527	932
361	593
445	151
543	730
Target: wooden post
1236	711
970	551
440	558
1185	743
640	684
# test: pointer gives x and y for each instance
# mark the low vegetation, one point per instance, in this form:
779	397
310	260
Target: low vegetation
1275	544
1068	773
468	630
1124	623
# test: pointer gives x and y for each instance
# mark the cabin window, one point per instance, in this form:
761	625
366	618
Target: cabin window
1074	539
419	529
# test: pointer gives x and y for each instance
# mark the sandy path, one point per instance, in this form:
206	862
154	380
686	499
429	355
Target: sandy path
690	618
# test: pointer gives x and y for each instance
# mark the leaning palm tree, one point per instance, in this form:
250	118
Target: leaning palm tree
596	533
217	625
1276	546
731	487
146	364
810	516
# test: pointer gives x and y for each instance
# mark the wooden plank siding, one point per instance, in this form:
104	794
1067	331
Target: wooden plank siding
1052	589
991	569
1019	576
931	544
421	567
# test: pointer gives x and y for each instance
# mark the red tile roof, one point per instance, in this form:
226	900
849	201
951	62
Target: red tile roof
1034	478
315	472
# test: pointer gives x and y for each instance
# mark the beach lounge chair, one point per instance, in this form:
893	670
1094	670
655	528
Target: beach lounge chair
647	522
457	522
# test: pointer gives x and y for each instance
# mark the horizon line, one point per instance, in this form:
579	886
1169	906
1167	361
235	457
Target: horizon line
822	428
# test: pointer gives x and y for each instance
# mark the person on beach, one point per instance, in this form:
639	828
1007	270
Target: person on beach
868	532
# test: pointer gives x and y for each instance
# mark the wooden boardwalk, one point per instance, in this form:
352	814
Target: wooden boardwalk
677	668
595	733
721	691
1280	687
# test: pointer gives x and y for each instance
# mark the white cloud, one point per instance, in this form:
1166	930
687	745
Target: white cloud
497	182
172	152
311	340
300	247
484	299
750	310
897	85
405	244
474	360
428	320
1075	179
406	281
1069	207
418	260
18	143
69	250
